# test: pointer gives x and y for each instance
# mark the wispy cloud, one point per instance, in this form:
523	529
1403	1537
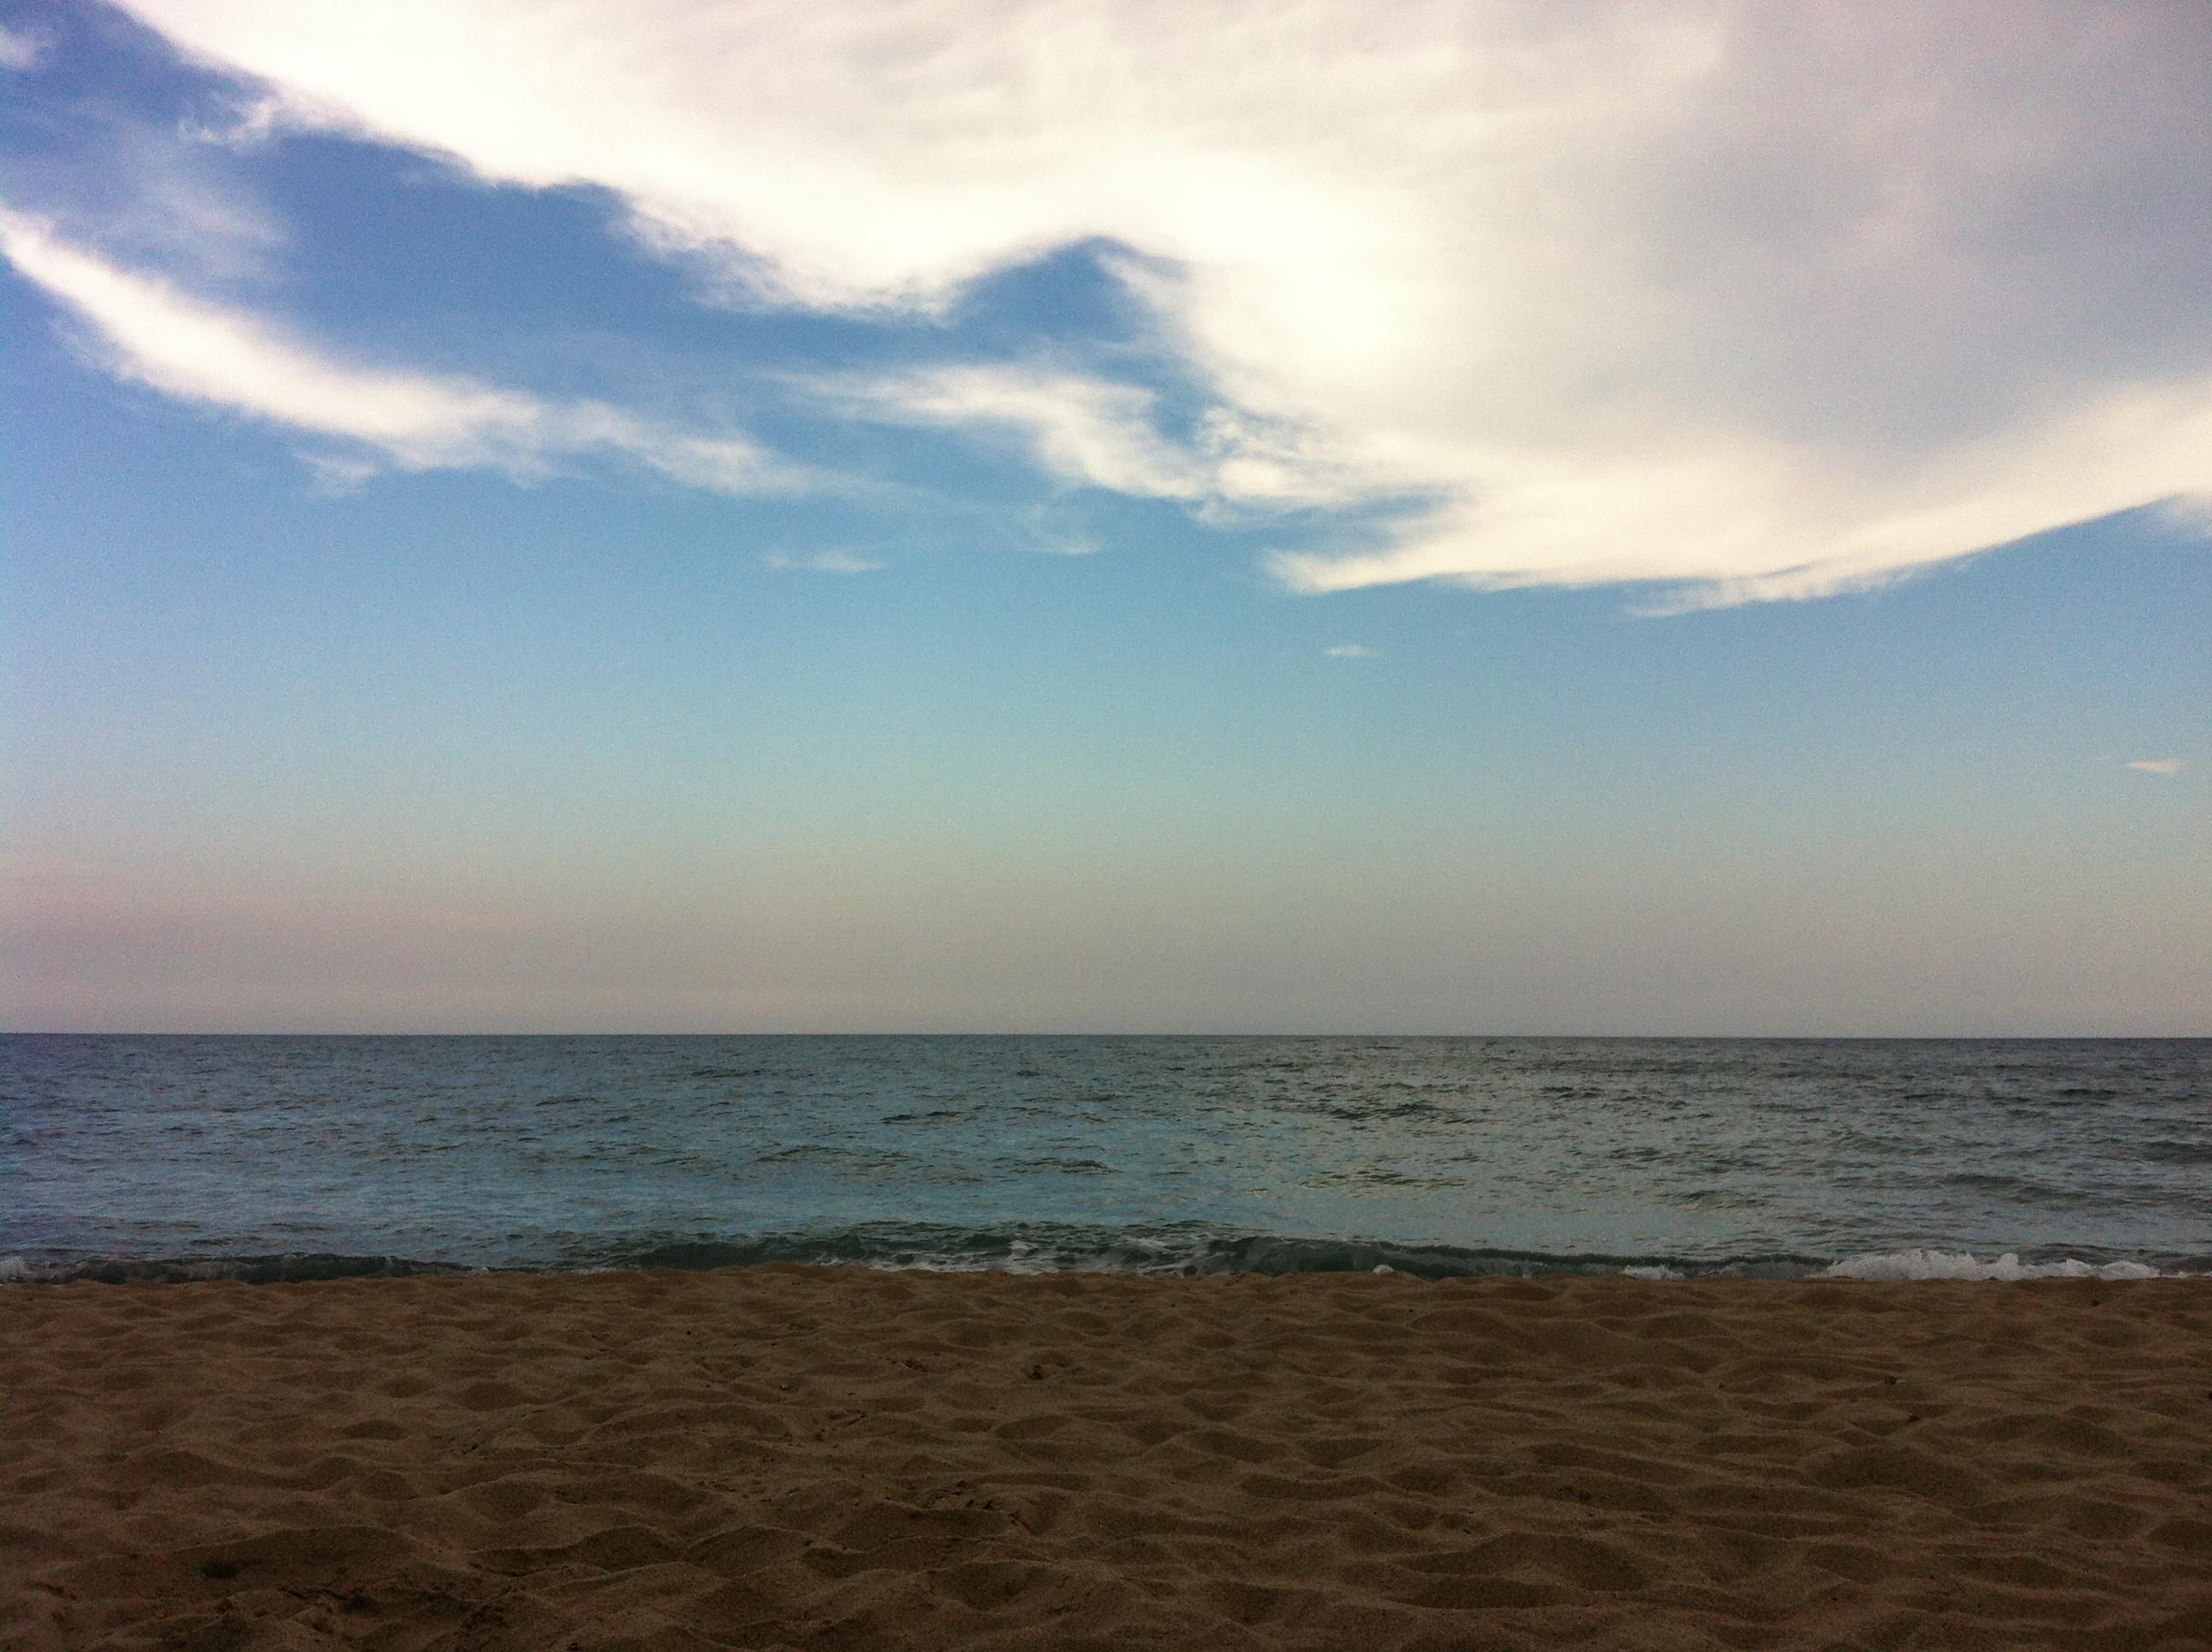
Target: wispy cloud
1349	651
1059	542
1765	300
1107	434
823	561
2157	765
148	331
1081	429
23	48
1725	517
1057	532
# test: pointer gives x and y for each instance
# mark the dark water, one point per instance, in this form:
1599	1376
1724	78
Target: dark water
287	1155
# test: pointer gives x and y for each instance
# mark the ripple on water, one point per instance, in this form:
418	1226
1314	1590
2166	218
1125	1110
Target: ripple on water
1686	1152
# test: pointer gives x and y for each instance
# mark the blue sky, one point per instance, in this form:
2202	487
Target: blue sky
1587	528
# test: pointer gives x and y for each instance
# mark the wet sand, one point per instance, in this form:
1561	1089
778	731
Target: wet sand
836	1458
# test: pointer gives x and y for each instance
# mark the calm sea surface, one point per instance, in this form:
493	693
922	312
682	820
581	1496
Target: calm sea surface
273	1156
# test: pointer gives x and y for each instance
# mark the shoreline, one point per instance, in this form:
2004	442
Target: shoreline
805	1456
1200	1254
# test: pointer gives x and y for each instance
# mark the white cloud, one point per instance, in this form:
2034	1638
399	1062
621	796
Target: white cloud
1350	651
1082	430
338	475
2156	765
1102	434
200	352
1750	526
148	196
23	48
1059	542
245	124
825	562
1769	301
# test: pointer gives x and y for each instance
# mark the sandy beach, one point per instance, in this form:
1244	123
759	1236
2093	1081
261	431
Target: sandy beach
839	1458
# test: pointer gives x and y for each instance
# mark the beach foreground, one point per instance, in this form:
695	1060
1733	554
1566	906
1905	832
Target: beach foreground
813	1457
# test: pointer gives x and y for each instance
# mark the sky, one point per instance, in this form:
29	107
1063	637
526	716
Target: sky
647	515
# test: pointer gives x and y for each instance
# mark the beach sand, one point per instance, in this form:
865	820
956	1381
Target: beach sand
839	1458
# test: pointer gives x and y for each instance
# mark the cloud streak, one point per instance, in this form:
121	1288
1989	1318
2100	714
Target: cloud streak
1759	301
148	331
823	562
1101	433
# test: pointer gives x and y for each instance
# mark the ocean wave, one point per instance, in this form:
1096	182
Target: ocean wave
1184	1249
1959	1265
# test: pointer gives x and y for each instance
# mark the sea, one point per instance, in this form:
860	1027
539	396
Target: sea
291	1157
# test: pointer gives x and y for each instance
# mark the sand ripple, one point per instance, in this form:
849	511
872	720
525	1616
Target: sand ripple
813	1458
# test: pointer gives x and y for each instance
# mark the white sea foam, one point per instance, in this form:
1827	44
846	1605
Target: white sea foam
1653	1270
1960	1265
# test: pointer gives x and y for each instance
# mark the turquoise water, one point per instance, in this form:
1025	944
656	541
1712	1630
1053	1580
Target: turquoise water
128	1157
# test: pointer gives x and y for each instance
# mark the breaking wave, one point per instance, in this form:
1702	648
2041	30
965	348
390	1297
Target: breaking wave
1186	1249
